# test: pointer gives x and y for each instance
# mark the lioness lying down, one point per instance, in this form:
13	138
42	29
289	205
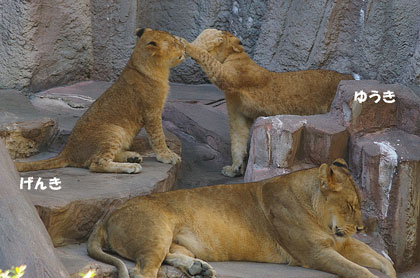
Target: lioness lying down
304	218
252	91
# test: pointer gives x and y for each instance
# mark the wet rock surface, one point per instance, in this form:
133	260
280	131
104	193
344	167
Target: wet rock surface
379	140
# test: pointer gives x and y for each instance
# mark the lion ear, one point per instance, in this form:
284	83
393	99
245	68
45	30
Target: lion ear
152	47
340	163
140	31
237	47
327	180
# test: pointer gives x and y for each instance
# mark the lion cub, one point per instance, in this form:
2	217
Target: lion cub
102	137
252	91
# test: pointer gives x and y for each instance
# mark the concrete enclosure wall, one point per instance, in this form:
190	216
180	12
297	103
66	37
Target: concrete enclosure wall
46	43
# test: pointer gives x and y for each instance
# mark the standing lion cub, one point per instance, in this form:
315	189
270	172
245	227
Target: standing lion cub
252	91
304	218
102	137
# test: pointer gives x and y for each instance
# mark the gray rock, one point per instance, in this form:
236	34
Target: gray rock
44	44
23	237
54	43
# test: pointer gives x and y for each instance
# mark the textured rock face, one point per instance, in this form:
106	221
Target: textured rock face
53	42
23	237
44	43
24	130
285	143
383	154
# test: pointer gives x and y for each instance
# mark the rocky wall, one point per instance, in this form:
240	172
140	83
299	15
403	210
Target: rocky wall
47	43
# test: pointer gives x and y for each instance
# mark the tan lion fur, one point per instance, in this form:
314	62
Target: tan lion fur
252	91
304	218
102	137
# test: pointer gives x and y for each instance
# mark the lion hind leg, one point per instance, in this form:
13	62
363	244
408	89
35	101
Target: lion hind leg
239	133
180	257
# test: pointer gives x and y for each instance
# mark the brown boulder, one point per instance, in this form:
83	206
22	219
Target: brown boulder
387	166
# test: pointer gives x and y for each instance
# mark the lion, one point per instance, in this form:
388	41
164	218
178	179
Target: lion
102	137
305	218
252	91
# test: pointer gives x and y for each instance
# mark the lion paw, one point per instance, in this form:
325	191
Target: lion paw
201	269
133	168
135	158
169	157
230	171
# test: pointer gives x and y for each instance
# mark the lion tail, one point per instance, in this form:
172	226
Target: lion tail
52	163
96	242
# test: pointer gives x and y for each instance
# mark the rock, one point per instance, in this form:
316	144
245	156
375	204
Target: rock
324	140
23	237
24	130
387	166
45	44
28	138
56	43
285	143
369	116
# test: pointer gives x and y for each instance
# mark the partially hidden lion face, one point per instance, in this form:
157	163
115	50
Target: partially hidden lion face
342	209
220	44
162	47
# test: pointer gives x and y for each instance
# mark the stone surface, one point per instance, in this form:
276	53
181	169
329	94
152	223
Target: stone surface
24	130
23	237
387	166
51	42
76	260
44	43
286	143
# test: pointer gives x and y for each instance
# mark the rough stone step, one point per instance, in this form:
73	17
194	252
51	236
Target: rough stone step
24	129
285	143
76	260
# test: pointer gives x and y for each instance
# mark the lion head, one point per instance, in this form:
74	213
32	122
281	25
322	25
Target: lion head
159	46
220	44
342	202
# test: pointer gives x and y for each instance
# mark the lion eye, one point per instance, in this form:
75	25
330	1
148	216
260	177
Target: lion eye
152	43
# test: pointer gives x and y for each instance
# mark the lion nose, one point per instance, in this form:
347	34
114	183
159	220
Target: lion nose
359	229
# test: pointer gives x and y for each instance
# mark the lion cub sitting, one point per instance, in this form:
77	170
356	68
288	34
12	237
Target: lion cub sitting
304	218
102	137
252	91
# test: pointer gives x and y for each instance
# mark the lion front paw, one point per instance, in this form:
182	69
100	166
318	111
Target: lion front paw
169	157
231	171
133	168
201	269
